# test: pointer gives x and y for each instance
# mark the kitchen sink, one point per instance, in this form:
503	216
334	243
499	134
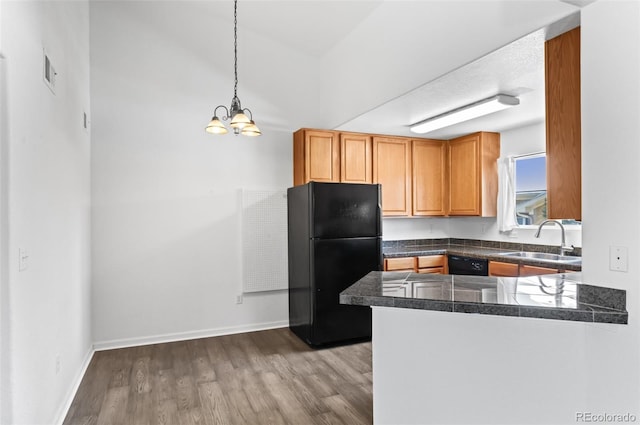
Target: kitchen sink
543	256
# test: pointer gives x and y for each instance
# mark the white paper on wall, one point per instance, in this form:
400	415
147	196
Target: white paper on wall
264	240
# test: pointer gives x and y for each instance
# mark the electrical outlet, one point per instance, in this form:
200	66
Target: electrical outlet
618	258
239	299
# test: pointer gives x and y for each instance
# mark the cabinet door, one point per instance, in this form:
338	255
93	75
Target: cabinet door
355	158
535	271
563	121
464	175
400	264
431	261
429	165
432	270
435	264
498	268
321	156
392	169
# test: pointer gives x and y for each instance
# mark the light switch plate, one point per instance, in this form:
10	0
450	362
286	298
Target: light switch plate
618	258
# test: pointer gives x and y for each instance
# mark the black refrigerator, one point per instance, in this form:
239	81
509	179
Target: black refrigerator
335	238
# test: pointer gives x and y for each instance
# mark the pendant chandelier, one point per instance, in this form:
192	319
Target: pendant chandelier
240	123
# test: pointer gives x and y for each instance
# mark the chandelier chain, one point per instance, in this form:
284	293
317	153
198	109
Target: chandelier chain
240	122
235	46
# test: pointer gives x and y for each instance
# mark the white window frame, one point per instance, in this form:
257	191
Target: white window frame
535	226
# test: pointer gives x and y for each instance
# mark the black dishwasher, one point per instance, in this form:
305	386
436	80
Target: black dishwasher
468	266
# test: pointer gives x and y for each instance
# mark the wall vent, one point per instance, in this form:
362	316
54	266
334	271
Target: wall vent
49	74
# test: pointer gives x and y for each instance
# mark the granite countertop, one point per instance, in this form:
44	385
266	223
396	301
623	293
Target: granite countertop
560	296
479	249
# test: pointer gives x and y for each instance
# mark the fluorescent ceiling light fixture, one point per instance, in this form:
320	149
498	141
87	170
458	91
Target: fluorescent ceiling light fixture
466	113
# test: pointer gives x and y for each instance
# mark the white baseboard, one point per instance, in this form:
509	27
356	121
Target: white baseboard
183	336
64	409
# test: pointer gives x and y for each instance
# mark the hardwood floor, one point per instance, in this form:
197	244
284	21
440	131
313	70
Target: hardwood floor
267	377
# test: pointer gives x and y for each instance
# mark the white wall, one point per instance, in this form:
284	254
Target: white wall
5	402
434	367
4	280
524	140
166	219
49	207
398	228
611	191
520	141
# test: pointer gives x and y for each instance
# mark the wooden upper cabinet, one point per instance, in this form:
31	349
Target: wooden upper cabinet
429	175
356	158
316	156
464	175
563	118
473	174
392	169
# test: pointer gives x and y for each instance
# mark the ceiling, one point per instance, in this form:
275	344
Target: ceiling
317	26
314	27
310	27
516	69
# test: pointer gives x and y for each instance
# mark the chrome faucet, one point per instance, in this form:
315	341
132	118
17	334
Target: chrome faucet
563	248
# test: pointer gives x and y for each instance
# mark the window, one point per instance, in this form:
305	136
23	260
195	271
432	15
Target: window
531	190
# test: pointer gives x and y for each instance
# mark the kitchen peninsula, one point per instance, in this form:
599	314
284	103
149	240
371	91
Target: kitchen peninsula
527	342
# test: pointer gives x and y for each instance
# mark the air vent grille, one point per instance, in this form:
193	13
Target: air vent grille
49	74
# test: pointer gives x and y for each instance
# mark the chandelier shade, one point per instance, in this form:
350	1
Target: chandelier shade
239	120
251	130
216	127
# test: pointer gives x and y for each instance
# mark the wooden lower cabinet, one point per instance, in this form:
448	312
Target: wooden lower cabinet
536	271
400	264
501	269
436	264
498	268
